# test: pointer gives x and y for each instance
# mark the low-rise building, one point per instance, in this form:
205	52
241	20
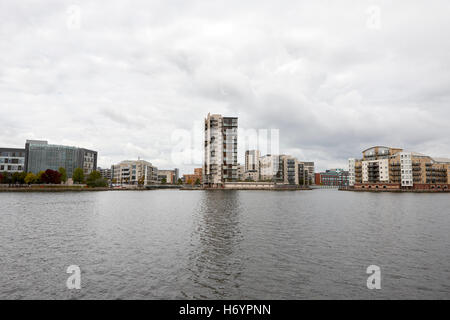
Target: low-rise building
40	156
333	178
12	160
394	168
283	169
269	167
252	175
105	173
252	160
307	172
240	172
193	178
170	176
134	172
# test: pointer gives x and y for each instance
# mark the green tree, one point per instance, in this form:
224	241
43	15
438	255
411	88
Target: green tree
30	178
63	174
180	182
95	180
39	177
5	177
78	175
18	177
197	182
163	180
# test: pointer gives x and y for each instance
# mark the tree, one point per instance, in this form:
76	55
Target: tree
141	180
5	178
63	174
197	182
78	175
95	180
51	176
39	177
30	178
163	180
22	177
180	182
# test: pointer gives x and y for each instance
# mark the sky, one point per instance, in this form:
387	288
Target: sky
135	79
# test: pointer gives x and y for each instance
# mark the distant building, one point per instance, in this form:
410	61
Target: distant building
106	173
307	172
171	176
269	167
192	178
333	177
220	160
134	172
40	156
251	176
284	169
240	172
252	160
394	168
12	160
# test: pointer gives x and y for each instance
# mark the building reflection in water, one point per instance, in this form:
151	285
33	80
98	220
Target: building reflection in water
215	260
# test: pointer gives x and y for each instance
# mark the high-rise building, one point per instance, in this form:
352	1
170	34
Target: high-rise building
12	160
220	158
134	172
40	156
394	168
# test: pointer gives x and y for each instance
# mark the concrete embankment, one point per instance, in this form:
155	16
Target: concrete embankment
396	190
50	189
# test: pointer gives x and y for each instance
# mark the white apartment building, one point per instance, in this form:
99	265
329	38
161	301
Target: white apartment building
134	172
375	170
220	158
406	169
12	160
351	171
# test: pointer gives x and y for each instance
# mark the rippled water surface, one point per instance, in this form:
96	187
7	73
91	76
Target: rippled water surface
172	244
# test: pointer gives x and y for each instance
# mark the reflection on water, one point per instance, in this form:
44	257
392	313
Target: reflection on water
214	261
169	244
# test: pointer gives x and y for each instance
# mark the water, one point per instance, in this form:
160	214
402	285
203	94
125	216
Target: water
171	244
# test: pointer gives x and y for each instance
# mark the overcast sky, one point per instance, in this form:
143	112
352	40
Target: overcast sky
120	77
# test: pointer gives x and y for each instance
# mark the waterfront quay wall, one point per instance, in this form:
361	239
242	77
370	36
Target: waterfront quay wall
255	186
386	187
47	188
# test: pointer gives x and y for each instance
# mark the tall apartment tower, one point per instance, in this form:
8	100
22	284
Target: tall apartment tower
220	160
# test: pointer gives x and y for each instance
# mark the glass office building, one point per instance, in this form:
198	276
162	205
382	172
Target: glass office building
40	156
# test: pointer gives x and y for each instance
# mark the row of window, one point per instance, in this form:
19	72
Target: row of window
14	161
12	154
10	168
